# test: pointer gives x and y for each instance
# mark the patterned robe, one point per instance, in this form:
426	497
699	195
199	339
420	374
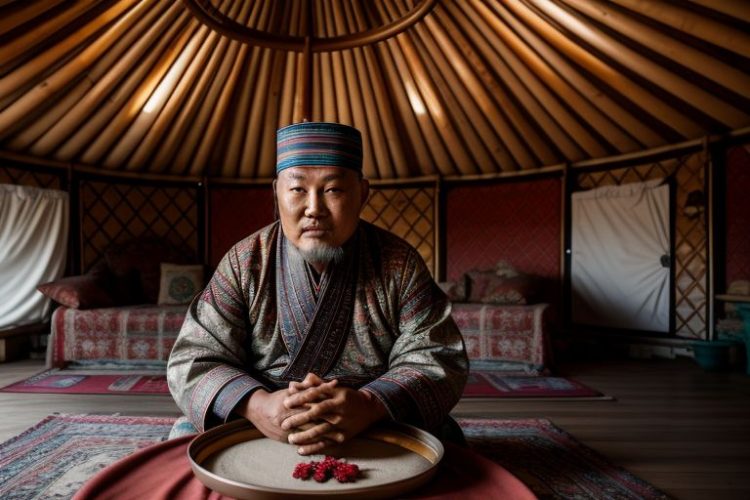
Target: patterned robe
395	338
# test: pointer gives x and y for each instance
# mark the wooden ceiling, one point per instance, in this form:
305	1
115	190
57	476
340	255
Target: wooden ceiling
473	87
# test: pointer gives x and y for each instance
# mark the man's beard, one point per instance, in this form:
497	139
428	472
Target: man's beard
322	254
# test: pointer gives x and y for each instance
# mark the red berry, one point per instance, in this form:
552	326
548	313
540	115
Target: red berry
302	471
323	470
346	473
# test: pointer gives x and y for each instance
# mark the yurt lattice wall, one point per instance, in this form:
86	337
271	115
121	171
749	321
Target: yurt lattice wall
26	177
691	249
117	212
409	212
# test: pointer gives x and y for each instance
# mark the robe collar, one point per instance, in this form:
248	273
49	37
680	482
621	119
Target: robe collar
314	323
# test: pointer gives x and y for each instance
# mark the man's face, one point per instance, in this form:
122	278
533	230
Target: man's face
319	206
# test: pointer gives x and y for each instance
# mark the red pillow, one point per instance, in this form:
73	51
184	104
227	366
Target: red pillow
488	288
78	292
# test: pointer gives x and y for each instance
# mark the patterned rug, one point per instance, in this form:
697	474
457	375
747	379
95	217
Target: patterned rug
551	462
481	384
56	456
57	381
496	384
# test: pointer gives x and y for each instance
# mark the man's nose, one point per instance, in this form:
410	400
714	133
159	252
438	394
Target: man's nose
316	206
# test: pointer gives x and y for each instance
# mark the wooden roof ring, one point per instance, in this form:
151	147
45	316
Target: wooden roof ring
209	15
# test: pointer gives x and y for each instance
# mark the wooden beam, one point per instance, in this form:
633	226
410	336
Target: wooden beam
205	11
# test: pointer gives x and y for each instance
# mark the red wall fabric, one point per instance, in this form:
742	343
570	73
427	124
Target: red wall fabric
738	214
516	221
236	213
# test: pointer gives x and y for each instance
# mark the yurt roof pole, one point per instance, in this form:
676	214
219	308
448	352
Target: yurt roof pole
307	66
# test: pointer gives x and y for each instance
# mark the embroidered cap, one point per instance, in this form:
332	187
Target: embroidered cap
318	144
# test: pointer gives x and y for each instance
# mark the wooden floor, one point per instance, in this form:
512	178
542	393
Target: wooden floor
685	431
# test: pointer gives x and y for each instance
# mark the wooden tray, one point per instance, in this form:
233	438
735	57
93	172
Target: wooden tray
235	459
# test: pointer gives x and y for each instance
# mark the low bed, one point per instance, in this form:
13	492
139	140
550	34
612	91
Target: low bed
130	333
505	337
496	310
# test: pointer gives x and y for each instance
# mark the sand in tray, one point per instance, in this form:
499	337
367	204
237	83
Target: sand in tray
269	464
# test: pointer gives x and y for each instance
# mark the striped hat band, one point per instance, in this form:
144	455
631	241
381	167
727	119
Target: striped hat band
318	144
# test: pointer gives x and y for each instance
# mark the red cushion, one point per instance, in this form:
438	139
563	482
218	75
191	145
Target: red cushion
488	288
78	292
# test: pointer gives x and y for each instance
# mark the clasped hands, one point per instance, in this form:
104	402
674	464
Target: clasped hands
313	414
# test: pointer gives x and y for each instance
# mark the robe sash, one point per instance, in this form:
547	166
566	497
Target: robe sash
314	325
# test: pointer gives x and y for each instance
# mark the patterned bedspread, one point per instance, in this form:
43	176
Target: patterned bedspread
496	336
504	336
145	333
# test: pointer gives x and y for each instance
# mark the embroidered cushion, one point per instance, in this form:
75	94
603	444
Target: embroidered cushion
179	283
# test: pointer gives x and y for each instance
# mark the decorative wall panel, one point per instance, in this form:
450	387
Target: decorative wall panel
690	259
516	221
408	212
115	212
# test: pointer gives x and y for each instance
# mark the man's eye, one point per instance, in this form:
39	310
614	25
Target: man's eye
297	190
334	190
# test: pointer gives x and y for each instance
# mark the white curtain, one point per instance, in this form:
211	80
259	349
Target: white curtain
33	248
620	256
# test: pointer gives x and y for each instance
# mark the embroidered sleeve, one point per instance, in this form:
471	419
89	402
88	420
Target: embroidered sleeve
428	365
207	371
233	392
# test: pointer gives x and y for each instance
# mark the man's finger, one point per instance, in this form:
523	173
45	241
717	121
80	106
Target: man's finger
324	410
311	380
335	436
332	418
311	434
297	420
310	449
310	395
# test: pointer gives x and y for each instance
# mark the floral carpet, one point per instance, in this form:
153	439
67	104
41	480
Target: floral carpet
55	457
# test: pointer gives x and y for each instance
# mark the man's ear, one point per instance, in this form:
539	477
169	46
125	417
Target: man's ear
365	192
275	201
